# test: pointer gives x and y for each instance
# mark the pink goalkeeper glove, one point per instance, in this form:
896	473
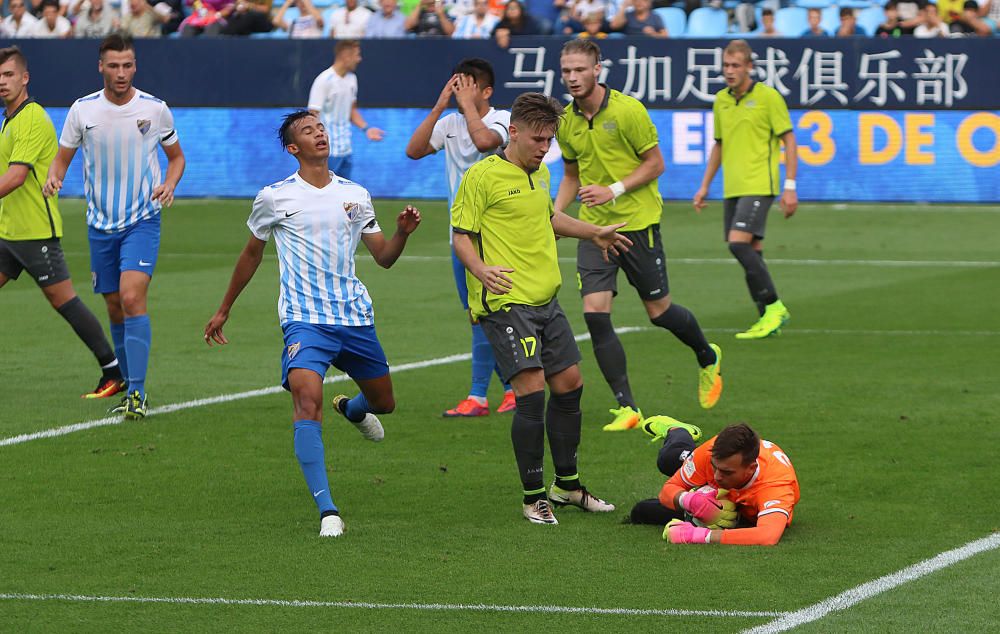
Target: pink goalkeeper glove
707	508
678	532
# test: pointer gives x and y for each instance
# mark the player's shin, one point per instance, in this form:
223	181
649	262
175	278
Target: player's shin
682	323
527	433
610	357
562	422
138	339
309	450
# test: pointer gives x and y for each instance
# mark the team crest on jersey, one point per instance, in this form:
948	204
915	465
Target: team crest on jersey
689	468
350	209
294	349
610	126
143	125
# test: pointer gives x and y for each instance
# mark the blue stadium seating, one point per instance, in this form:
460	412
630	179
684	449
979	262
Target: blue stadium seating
674	19
831	19
791	21
870	19
707	22
813	4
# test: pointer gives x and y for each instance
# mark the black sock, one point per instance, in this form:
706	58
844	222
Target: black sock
527	433
677	446
758	277
610	356
682	323
562	421
89	330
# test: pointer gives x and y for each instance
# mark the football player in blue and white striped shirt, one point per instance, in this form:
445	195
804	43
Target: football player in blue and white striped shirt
317	220
120	129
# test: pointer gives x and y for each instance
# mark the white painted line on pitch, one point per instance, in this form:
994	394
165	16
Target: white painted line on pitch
238	396
457	607
851	597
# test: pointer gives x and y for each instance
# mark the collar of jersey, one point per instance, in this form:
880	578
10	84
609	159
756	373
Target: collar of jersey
7	120
753	85
503	155
604	102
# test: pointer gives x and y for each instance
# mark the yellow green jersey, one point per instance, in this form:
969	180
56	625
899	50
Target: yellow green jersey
28	138
749	130
508	214
606	149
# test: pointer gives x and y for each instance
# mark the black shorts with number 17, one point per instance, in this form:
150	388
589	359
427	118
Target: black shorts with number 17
644	264
525	337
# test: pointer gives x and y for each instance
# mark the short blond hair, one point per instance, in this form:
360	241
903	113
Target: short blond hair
739	47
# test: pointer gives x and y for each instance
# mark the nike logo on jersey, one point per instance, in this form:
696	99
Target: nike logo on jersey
450	136
289	214
316	494
771	503
141	263
91	127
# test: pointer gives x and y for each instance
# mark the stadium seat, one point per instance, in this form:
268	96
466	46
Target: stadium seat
674	19
831	19
791	21
323	4
707	22
870	19
813	4
854	4
328	21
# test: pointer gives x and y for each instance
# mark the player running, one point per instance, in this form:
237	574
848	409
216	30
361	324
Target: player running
756	484
467	136
612	159
30	224
505	229
317	220
751	118
333	97
119	129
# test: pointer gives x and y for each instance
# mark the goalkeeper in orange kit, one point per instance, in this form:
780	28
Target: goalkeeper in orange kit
757	486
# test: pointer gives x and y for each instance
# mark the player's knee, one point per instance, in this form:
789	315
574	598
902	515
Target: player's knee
741	250
383	404
308	408
675	450
133	303
568	402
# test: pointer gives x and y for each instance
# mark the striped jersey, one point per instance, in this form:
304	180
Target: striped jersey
316	232
121	166
333	96
460	152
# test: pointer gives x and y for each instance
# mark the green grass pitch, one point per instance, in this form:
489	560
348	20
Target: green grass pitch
882	390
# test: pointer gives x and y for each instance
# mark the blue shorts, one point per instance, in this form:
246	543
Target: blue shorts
341	166
132	249
351	349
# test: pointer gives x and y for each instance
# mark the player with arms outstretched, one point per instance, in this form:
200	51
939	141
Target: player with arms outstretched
468	136
120	129
317	220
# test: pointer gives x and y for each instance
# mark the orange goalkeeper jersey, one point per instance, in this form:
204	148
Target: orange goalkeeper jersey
772	489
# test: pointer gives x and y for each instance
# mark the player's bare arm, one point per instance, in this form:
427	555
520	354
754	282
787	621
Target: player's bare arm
246	266
13	178
789	197
466	90
164	192
493	278
711	169
648	170
57	171
420	142
568	187
606	238
386	252
373	134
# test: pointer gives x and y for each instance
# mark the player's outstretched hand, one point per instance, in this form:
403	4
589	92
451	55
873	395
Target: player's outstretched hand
608	239
699	199
495	280
52	185
678	532
375	134
408	220
213	329
789	202
593	195
164	193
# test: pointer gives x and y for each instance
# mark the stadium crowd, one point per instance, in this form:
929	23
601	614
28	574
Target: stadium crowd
499	20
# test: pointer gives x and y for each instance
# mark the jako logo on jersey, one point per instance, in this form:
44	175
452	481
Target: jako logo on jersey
511	192
350	208
294	349
143	125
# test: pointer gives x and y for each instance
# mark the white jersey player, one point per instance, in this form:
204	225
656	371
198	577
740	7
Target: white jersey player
317	220
334	99
467	137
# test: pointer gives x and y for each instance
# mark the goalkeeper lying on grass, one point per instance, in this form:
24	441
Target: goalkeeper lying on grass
736	488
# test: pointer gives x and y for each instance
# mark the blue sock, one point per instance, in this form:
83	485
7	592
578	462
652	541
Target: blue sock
482	362
118	337
356	408
138	337
309	451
